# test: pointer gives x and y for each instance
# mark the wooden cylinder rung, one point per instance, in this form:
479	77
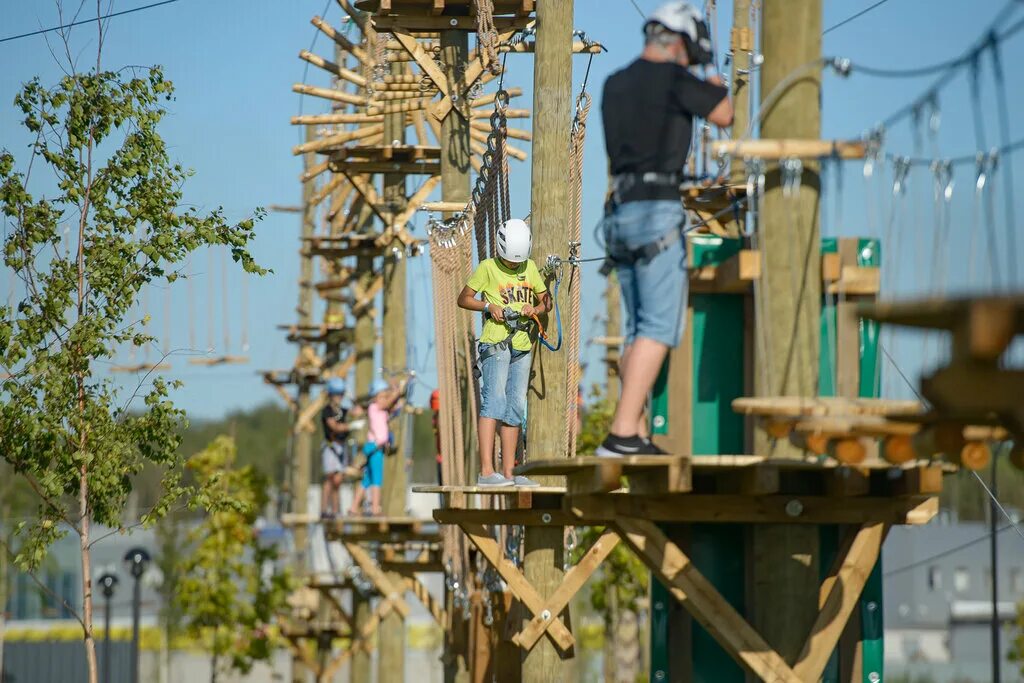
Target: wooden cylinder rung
898	449
848	451
975	455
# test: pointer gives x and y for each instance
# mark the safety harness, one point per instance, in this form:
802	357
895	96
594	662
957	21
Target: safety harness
618	254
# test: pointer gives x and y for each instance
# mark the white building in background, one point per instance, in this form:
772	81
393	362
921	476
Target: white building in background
937	590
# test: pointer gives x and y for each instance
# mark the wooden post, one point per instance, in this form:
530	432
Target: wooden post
741	42
455	156
785	558
365	340
303	440
613	329
391	666
546	427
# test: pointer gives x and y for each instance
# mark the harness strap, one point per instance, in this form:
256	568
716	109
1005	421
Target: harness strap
644	252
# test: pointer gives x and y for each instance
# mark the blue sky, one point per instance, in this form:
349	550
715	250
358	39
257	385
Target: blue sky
234	63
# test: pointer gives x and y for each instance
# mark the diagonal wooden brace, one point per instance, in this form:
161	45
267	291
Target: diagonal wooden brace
702	600
397	227
473	74
517	583
416	587
369	195
390	592
571	584
839	595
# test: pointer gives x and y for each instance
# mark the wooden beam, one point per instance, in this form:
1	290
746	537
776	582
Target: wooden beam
785	149
839	596
571	584
675	570
771	509
517	582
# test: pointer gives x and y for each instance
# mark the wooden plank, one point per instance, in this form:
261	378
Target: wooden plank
781	509
517	583
498	491
796	406
504	517
839	596
857	280
571	584
675	570
785	149
733	276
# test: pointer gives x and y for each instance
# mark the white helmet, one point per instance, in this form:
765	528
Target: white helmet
683	18
514	240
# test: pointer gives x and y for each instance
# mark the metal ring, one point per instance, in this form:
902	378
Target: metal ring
501	98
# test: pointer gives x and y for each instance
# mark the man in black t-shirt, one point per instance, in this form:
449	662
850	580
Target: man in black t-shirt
334	456
648	110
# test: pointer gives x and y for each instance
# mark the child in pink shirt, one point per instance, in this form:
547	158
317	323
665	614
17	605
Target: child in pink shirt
384	399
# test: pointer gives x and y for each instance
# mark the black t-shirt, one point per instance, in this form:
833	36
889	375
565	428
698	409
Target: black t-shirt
341	415
648	110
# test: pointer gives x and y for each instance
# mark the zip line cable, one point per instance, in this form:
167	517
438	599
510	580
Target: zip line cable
990	38
944	553
852	17
87	21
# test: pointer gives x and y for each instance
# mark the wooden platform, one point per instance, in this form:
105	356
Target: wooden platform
646	473
408	159
499	491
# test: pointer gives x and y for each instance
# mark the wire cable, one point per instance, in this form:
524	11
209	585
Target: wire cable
87	21
944	553
852	17
990	38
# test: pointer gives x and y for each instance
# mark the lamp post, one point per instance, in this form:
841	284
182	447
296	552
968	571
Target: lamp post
109	583
136	559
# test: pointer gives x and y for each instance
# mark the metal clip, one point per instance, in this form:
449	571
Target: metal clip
755	176
792	177
873	151
900	174
944	182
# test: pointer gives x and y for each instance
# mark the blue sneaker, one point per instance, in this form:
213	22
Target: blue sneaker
495	479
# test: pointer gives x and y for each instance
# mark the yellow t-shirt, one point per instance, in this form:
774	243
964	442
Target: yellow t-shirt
507	288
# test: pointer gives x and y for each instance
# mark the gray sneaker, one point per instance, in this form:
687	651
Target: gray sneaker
520	480
495	479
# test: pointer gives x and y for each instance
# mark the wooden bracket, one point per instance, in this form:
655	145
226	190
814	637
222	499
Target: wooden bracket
571	584
838	596
556	629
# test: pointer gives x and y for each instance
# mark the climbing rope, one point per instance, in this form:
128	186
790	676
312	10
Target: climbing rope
576	142
487	34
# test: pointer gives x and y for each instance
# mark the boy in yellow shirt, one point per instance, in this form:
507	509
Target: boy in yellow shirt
513	291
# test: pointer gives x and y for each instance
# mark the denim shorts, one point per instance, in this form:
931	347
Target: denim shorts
505	375
653	290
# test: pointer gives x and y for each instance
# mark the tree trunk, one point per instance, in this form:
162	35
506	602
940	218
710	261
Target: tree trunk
90	641
213	668
609	633
5	513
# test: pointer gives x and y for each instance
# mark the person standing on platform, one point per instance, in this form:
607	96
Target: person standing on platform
513	294
335	458
648	109
385	399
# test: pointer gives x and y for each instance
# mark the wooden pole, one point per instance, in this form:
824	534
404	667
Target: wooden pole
303	440
785	558
391	665
741	42
550	201
455	156
365	340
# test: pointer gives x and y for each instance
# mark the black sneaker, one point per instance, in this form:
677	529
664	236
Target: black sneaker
620	446
652	449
